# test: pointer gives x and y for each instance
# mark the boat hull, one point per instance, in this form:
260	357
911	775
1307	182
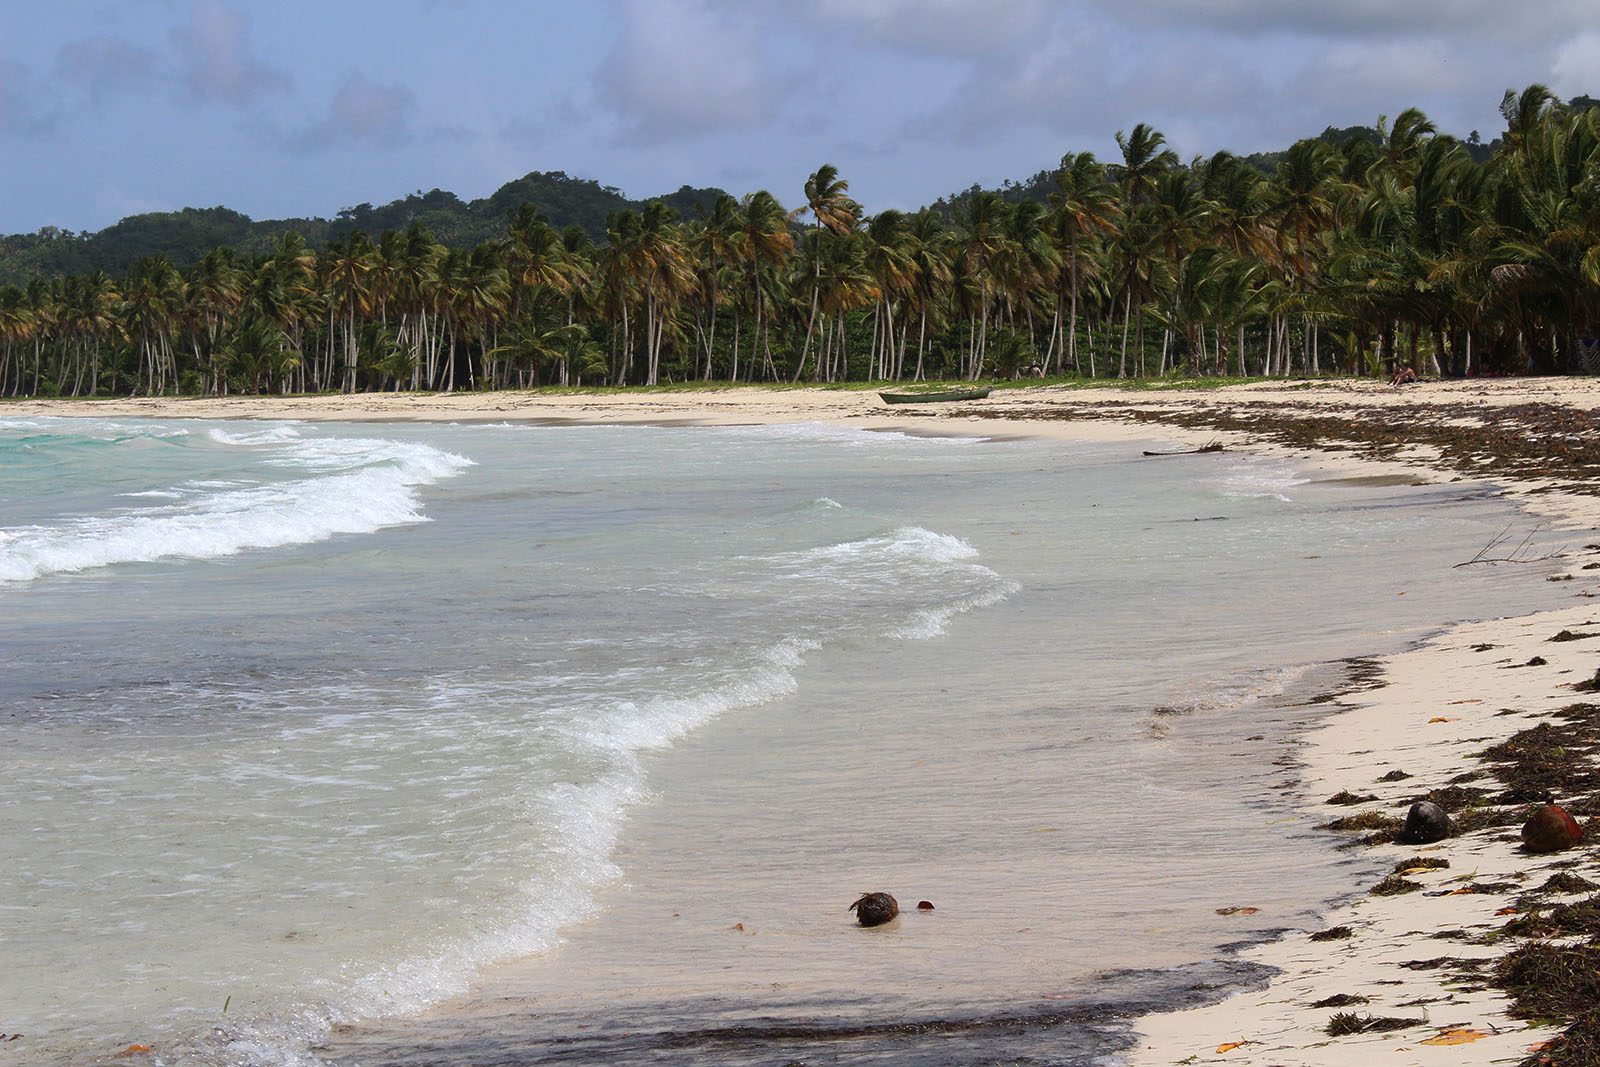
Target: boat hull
934	398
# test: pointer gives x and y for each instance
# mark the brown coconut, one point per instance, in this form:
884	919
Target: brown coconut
875	909
1550	829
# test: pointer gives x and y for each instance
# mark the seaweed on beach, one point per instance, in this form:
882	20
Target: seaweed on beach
1549	981
1547	759
1366	820
1335	933
1566	882
1542	442
1344	796
1559	920
1393	886
1453	798
1340	1000
1348	1022
1432	863
1578	1046
1395	775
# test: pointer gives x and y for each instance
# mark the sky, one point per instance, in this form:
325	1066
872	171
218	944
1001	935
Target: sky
292	108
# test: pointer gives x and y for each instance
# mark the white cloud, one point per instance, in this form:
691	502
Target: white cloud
951	28
1576	69
215	59
109	66
361	111
1482	20
683	67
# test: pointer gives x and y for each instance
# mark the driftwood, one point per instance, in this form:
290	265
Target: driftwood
1214	446
1521	554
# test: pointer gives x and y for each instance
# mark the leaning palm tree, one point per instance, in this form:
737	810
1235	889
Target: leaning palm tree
835	215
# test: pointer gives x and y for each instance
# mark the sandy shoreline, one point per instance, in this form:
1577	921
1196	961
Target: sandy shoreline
1439	704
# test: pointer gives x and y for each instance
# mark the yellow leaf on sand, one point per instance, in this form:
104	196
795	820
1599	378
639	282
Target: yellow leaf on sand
1463	1036
1230	1046
1440	718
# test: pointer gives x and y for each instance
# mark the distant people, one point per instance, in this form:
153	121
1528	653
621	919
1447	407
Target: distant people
1403	376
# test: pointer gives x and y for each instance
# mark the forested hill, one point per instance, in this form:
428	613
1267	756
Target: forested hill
184	236
1041	185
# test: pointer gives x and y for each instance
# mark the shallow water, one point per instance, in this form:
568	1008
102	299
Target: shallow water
311	724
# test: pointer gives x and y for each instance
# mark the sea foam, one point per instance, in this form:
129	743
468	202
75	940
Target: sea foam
351	486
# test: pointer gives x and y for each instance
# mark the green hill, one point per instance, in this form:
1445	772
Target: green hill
184	236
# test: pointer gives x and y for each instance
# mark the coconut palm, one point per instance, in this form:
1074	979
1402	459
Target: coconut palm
887	260
1144	160
763	241
16	329
713	246
981	228
349	265
153	305
1083	205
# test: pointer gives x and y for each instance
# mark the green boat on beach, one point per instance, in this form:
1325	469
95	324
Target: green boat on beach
935	397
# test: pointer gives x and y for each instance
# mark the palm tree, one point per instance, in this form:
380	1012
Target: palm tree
662	272
215	293
835	214
1027	262
1144	160
889	264
153	304
1084	204
350	264
479	300
764	240
88	315
982	227
713	245
927	247
16	328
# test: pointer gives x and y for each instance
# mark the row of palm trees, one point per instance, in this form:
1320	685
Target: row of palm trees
1352	258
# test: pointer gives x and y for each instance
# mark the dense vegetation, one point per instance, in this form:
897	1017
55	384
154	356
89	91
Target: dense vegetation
1405	247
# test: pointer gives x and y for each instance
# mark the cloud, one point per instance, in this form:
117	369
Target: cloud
1484	20
948	28
20	115
214	58
110	66
686	67
361	111
1573	73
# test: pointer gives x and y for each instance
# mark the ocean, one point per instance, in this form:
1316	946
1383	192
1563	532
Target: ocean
435	743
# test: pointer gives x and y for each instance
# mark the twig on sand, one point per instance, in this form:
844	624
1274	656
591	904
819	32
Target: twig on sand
1214	446
1520	554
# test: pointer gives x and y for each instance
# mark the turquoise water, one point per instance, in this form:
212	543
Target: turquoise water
310	725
